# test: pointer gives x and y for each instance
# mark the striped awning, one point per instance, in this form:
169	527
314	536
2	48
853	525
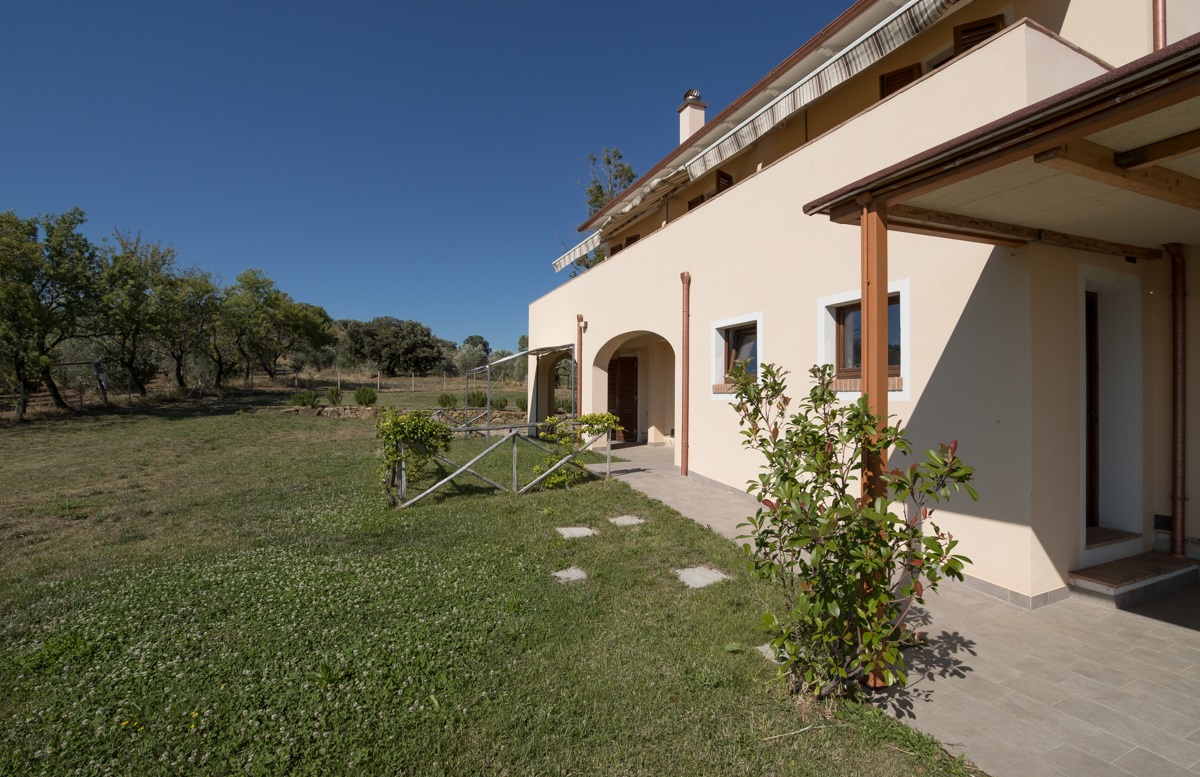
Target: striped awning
887	36
590	243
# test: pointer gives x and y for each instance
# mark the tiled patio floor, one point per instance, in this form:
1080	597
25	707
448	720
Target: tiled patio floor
1073	688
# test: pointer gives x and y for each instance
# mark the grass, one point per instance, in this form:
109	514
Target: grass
216	588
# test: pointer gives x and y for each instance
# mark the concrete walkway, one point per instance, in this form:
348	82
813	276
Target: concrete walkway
1073	688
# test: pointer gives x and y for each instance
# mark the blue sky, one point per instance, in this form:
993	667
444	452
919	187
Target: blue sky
420	161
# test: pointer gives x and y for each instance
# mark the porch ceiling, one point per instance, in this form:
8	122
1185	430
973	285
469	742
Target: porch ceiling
1038	196
1111	166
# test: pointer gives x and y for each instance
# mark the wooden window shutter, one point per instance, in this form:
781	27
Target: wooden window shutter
724	181
976	32
890	83
631	240
695	202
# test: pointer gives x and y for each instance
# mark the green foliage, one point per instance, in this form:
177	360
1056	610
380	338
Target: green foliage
522	403
567	437
610	176
849	570
471	357
333	395
396	347
304	399
365	396
408	438
499	403
477	399
562	405
447	400
477	341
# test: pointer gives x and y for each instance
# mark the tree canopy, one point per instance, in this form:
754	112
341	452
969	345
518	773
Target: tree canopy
611	175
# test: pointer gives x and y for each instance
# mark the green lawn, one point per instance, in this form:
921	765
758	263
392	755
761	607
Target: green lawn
217	588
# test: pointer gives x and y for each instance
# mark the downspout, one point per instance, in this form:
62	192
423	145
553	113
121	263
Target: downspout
1160	24
1178	397
578	364
686	277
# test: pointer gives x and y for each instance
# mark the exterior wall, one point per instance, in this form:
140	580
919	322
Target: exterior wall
754	257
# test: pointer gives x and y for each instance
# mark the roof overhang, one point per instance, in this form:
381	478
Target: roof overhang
1110	166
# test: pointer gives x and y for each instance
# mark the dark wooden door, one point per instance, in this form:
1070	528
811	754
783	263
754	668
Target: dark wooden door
1092	410
622	395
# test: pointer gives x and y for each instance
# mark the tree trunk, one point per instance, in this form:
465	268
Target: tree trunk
52	387
179	372
134	378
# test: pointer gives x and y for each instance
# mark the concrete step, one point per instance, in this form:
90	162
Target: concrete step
1127	581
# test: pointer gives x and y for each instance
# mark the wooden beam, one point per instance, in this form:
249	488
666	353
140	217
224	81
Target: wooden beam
1095	162
875	332
907	218
966	224
1159	152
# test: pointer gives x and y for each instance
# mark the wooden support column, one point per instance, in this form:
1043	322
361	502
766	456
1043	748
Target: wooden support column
874	326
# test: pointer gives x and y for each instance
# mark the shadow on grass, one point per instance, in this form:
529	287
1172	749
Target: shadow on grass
226	404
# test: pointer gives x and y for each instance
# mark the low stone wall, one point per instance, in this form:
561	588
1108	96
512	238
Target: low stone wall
343	411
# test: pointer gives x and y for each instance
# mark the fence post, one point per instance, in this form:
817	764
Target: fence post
608	456
516	433
403	476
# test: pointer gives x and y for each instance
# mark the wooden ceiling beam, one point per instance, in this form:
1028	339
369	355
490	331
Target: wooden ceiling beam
1096	163
1159	152
905	218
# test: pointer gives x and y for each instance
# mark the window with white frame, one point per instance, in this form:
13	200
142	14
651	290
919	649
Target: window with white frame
839	332
735	340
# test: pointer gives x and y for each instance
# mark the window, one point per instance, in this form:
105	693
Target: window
696	202
615	249
848	361
890	83
736	339
631	240
973	33
741	345
724	181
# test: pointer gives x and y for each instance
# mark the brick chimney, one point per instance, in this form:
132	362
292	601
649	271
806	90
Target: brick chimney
691	114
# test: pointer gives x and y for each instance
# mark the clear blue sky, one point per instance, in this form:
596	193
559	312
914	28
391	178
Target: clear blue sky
420	161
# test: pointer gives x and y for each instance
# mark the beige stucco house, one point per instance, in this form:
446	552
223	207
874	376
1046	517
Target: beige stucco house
1011	183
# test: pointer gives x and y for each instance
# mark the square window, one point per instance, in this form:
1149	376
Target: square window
741	345
848	363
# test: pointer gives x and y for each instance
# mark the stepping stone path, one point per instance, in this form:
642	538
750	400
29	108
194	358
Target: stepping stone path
574	532
570	575
627	520
699	577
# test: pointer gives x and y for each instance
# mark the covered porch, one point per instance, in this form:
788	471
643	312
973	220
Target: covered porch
1098	187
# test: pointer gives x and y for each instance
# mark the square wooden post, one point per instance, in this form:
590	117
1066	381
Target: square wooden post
874	328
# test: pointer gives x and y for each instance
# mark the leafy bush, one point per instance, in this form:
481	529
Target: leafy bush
477	399
333	395
522	403
849	569
448	401
566	438
304	399
499	403
420	435
365	396
562	405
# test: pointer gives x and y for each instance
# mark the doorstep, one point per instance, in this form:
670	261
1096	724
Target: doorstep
1127	581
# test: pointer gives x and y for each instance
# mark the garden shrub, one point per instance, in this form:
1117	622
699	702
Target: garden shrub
499	403
522	403
421	436
365	396
447	400
333	395
567	437
477	399
849	570
304	399
562	405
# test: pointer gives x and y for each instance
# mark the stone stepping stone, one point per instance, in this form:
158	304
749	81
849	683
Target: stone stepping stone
626	520
570	575
699	577
768	653
574	532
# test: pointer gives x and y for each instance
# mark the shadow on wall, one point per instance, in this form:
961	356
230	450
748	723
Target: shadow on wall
979	392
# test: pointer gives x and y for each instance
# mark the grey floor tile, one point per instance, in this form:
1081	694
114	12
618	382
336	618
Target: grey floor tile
1175	749
1101	672
1142	763
1043	670
1175	696
1001	760
1073	762
1138	703
1185	652
1036	688
1054	728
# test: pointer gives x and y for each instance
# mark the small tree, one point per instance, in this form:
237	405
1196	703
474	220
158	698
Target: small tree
849	569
